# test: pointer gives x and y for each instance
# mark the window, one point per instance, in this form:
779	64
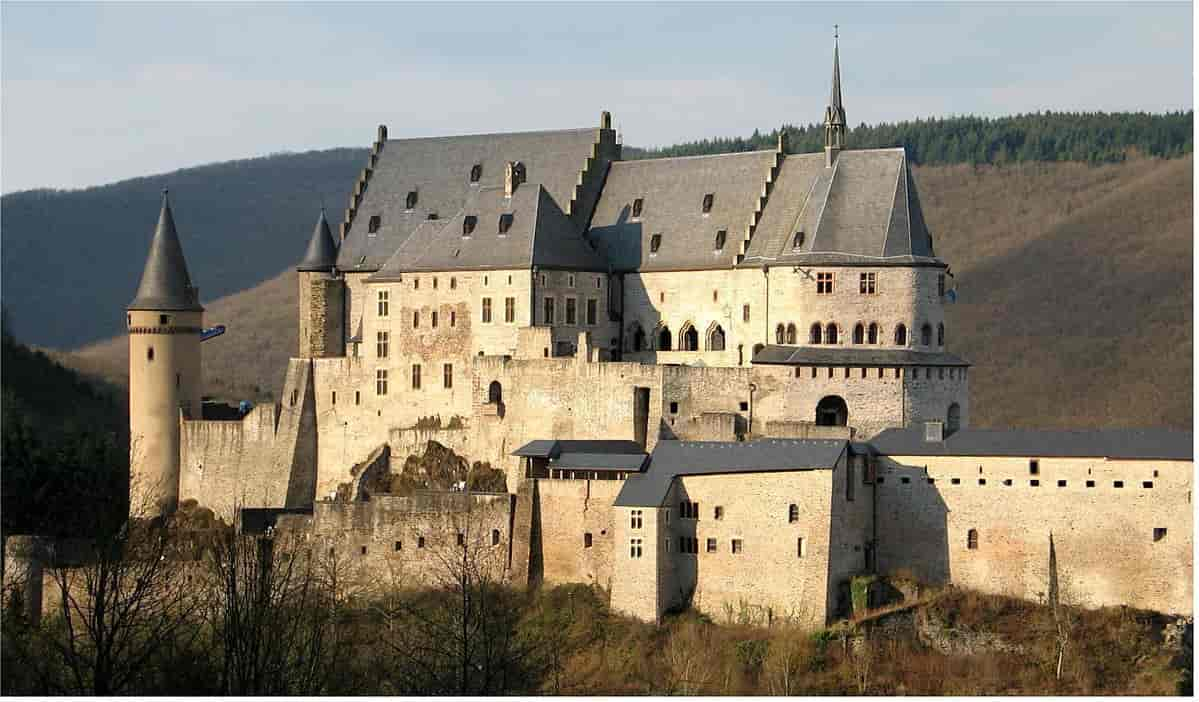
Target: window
1034	483
926	335
164	319
333	399
797	240
721	235
509	309
1148	484
674	408
941	285
814	334
1090	483
461	539
972	539
373	224
453	283
901	335
866	283
1118	484
982	481
434	283
592	312
150	354
744	313
587	540
800	548
420	542
635	519
416	319
637	204
399	546
664	339
859	334
689	339
793	514
381	382
1034	467
476	172
736	545
495	537
411	201
708	199
1159	533
711	545
416	376
486	313
1061	483
791	333
634	548
571	312
381	344
547	315
447	375
416	283
383	302
780	334
655	242
468	224
955	481
718	512
872	334
830	333
505	223
940	334
824	283
433	319
570	280
357	397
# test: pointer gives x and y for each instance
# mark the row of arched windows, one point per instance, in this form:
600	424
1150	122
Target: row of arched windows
688	339
862	334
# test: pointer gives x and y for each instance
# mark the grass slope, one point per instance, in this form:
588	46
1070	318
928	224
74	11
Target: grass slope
1075	296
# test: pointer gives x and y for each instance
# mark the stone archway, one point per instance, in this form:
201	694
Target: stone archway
832	411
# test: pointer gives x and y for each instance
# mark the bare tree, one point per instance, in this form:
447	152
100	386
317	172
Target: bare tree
1055	606
688	662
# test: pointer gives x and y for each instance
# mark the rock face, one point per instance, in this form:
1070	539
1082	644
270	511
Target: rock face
438	468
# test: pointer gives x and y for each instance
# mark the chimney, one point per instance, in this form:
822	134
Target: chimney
605	120
934	432
382	133
514	175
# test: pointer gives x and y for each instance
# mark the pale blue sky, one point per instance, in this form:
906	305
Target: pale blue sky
96	93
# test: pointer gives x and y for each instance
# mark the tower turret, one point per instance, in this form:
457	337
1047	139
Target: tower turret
164	321
322	296
834	114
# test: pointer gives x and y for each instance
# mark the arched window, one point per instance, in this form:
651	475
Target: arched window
791	334
926	335
689	339
664	339
757	348
495	537
793	514
941	334
716	339
814	334
830	333
972	539
859	334
872	334
901	335
638	336
832	411
953	418
495	393
780	334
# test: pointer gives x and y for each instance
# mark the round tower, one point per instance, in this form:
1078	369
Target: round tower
164	321
322	296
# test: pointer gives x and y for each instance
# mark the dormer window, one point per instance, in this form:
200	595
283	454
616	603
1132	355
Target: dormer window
797	241
505	223
468	224
432	215
411	201
373	225
476	172
637	206
708	202
720	237
655	242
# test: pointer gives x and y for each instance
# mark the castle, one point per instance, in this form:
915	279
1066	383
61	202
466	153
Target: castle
720	381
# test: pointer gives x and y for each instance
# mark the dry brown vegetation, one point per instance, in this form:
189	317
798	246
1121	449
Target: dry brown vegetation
1074	303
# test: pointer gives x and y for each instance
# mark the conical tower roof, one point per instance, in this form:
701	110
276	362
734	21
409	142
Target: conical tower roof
322	252
835	112
165	283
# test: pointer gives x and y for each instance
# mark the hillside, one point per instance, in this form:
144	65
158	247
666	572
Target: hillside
1075	296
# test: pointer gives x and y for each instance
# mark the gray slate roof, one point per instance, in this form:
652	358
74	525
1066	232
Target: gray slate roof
553	448
438	169
853	356
632	462
864	211
540	234
1110	443
321	254
165	284
672	192
674	458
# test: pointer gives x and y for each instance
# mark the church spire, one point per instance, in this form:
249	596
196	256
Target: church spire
834	114
165	283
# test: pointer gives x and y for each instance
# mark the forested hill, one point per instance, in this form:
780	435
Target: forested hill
72	259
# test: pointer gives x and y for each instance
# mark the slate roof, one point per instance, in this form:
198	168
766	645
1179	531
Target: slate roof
674	458
1110	443
853	356
438	169
672	192
540	234
863	211
632	462
165	284
553	448
321	254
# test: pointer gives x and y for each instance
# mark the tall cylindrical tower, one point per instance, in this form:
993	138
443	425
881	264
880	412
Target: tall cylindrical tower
164	322
321	296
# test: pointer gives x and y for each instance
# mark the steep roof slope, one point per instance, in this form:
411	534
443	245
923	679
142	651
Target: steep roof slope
165	283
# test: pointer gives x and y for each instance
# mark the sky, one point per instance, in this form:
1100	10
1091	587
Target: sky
96	93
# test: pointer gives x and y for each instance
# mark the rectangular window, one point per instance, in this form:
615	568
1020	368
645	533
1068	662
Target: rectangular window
866	285
1159	533
486	315
383	302
433	319
655	243
592	312
357	397
399	546
571	312
547	314
637	204
420	542
635	519
373	224
1034	467
509	309
736	545
800	548
941	285
711	545
447	375
570	280
380	382
381	344
744	313
415	319
461	539
634	548
416	376
453	318
718	512
587	540
824	283
334	399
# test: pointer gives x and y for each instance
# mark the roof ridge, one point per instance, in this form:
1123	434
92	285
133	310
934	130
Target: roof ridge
697	156
527	132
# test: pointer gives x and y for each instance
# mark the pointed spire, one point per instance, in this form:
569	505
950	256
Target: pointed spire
322	251
834	113
165	283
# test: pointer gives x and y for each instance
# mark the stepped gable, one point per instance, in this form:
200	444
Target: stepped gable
540	234
438	169
322	252
672	192
165	283
863	210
